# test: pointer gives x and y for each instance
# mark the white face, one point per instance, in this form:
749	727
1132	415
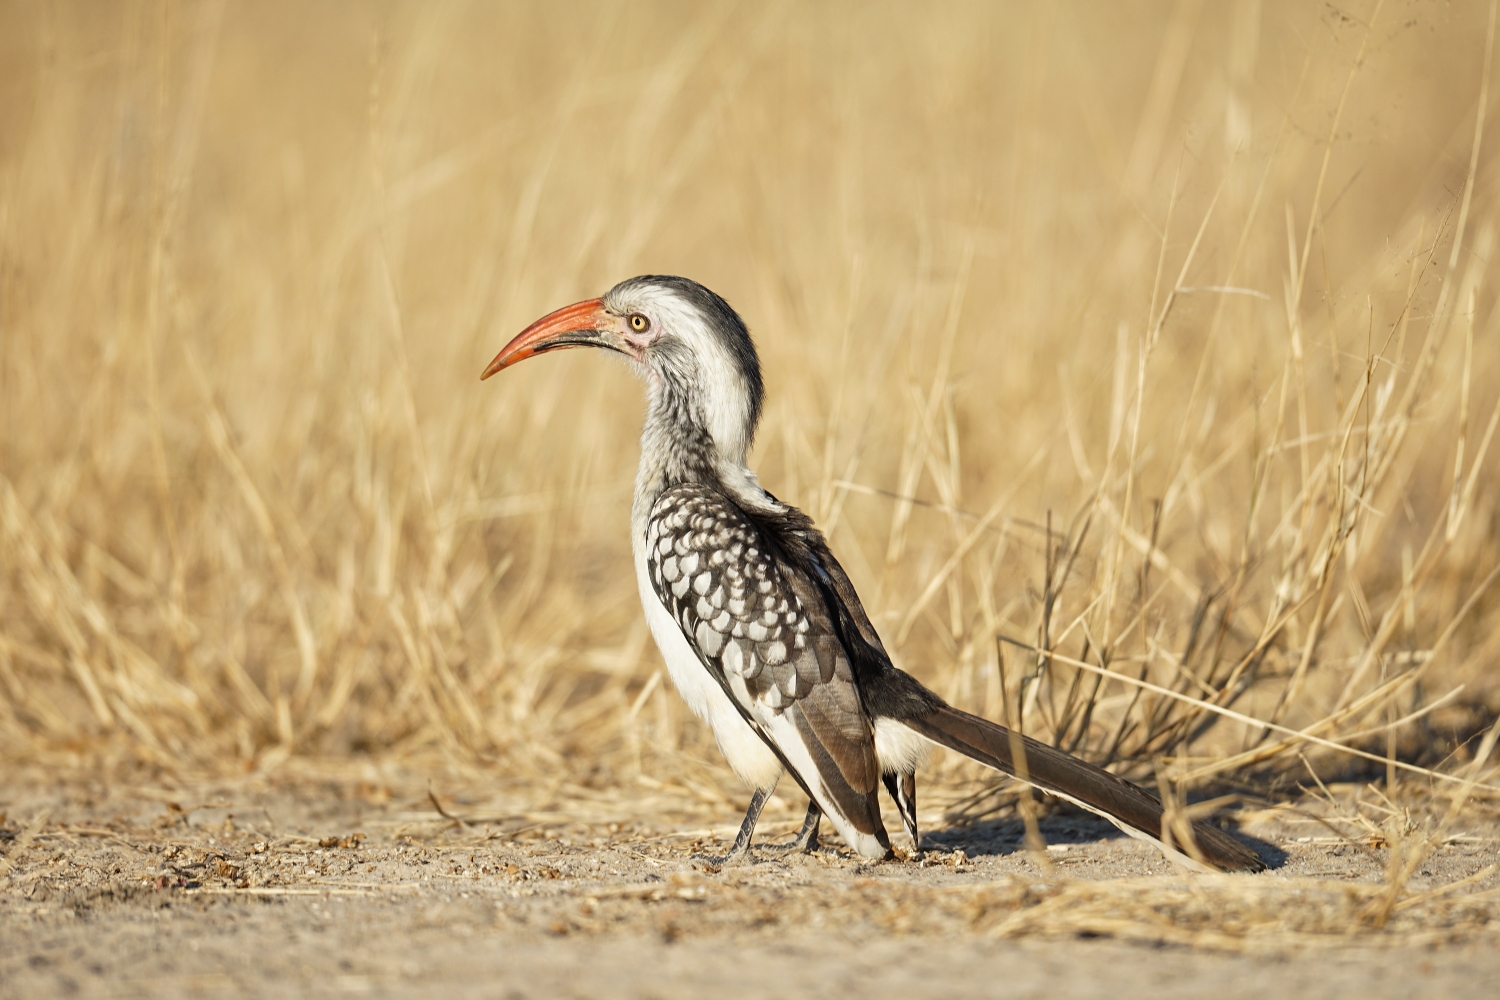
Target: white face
675	342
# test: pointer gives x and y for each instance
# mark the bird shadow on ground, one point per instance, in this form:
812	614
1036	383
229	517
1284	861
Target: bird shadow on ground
1005	837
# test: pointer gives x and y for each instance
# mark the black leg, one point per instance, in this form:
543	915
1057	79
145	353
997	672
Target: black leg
741	847
807	837
903	789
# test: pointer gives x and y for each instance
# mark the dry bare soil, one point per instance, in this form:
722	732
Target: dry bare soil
308	888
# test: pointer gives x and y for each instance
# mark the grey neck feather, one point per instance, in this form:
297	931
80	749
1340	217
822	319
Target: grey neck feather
676	447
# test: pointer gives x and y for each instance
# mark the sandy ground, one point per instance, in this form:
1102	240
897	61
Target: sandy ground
307	890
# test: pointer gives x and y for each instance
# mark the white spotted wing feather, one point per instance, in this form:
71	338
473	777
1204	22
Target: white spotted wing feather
760	628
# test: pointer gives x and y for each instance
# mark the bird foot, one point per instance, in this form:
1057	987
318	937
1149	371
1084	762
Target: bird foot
805	844
737	859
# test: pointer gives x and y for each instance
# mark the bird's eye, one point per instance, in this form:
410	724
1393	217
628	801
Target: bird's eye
639	323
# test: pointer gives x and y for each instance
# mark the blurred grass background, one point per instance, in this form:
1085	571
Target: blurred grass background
1162	336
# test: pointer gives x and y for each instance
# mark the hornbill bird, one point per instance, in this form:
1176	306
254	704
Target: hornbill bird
760	628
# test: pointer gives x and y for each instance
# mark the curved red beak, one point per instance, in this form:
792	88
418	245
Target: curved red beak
582	324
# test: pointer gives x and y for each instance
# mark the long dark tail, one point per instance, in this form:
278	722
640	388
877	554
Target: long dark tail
1132	809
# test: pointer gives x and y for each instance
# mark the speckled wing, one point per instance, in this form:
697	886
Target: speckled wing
762	627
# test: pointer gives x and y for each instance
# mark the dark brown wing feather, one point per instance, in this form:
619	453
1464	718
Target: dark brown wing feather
889	692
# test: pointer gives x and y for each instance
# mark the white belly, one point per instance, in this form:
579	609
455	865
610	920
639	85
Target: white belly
746	752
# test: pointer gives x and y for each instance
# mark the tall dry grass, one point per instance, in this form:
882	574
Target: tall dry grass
1160	341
